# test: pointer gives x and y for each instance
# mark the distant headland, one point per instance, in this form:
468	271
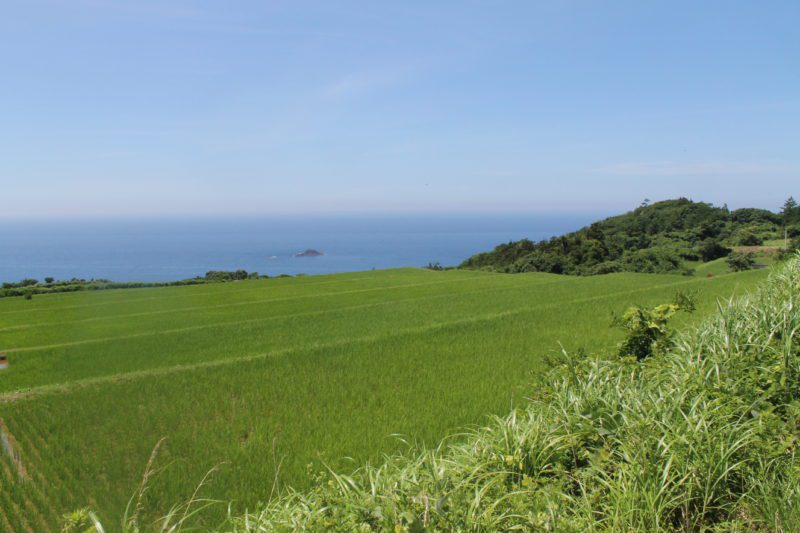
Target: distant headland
309	253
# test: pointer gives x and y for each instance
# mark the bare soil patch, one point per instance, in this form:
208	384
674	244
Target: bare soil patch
755	249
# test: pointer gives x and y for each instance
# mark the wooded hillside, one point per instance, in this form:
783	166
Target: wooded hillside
652	238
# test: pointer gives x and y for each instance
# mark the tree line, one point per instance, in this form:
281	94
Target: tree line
29	286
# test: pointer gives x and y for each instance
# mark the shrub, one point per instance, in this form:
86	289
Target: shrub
748	238
652	261
607	267
739	261
711	249
539	261
792	247
647	330
222	275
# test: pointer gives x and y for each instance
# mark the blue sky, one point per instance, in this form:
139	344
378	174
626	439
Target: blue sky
265	107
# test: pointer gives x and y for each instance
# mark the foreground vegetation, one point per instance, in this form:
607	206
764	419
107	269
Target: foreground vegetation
700	438
662	237
262	377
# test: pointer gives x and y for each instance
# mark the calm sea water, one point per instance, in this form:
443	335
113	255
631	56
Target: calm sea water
171	249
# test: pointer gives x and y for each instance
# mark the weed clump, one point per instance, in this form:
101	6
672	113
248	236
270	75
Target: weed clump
647	331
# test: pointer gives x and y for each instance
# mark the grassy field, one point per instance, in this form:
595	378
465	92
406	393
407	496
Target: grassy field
720	266
263	377
698	437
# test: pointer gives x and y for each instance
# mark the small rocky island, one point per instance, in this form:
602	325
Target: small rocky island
309	253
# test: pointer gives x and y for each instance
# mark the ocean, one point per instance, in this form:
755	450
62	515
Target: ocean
166	249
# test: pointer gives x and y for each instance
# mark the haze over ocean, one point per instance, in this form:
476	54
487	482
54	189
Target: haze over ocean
137	249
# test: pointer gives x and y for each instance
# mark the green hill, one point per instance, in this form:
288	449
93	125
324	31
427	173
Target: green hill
657	238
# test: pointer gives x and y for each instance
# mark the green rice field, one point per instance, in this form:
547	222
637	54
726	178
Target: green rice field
260	379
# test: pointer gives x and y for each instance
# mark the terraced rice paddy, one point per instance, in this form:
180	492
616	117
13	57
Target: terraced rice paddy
261	378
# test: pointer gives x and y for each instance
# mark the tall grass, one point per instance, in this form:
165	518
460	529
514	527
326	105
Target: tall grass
702	438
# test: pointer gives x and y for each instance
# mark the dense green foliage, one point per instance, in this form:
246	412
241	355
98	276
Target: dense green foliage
655	238
791	216
236	275
28	287
700	438
739	261
263	377
647	331
790	249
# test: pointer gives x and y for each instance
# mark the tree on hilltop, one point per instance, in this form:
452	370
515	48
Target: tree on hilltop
791	211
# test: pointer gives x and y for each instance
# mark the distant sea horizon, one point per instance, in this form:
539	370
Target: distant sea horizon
169	249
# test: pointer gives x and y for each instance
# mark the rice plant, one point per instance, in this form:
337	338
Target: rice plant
262	378
700	438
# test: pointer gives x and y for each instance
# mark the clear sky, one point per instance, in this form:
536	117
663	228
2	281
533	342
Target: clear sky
268	107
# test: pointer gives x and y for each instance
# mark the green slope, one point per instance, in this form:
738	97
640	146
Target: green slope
701	437
263	377
656	238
